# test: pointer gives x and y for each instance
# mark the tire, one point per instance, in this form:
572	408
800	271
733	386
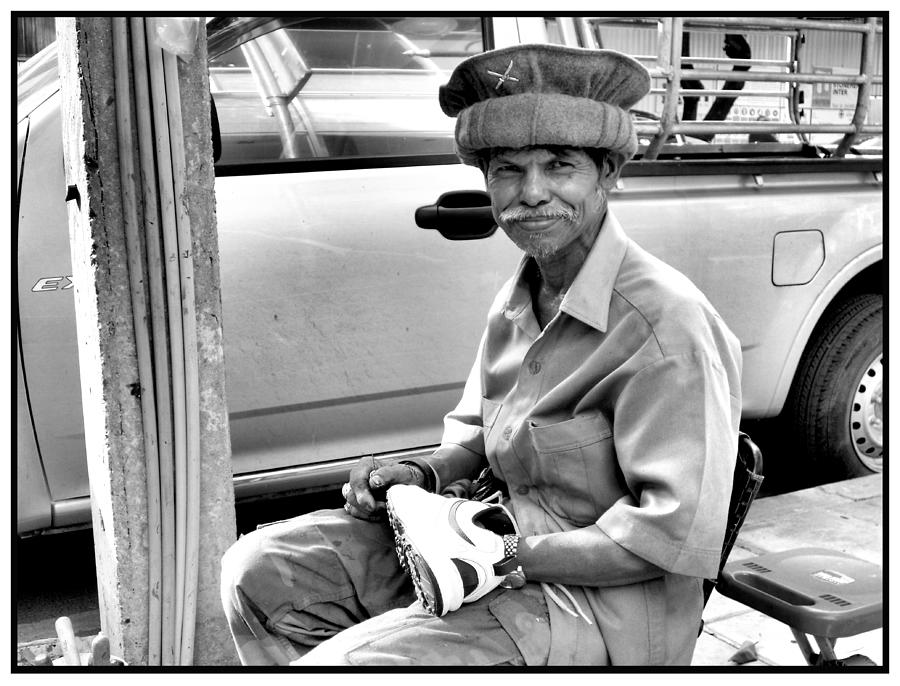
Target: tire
834	409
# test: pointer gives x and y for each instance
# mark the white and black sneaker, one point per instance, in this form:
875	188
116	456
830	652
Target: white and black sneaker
452	548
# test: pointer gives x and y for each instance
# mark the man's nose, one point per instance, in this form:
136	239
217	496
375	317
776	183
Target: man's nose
535	190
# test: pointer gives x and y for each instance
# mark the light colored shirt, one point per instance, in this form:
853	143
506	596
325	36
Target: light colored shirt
621	414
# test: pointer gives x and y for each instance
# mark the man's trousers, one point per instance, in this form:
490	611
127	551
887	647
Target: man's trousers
327	589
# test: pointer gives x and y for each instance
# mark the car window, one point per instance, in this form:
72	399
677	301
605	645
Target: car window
340	87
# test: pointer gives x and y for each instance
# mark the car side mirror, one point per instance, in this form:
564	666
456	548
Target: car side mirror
459	215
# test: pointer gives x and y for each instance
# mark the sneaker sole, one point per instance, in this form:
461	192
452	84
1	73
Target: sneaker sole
413	563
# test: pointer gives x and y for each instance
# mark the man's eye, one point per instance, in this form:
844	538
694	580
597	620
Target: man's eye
560	164
505	169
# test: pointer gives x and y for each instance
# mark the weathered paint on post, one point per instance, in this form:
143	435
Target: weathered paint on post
107	349
213	644
107	355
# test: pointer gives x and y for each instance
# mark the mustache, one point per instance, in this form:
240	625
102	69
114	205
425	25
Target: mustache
518	214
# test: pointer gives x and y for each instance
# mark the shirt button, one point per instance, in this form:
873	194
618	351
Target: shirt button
534	367
522	490
507	432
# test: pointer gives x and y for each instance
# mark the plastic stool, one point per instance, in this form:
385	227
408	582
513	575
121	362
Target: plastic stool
815	591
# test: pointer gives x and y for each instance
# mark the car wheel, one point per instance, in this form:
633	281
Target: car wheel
834	409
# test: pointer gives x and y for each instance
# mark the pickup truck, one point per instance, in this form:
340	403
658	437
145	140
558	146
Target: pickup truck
349	330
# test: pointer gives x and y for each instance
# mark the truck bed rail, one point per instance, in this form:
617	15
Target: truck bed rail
669	65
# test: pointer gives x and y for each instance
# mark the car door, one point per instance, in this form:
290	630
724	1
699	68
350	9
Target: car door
348	330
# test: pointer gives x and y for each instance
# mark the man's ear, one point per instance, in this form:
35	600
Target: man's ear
613	162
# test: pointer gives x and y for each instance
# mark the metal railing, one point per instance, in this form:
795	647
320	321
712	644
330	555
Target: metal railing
667	64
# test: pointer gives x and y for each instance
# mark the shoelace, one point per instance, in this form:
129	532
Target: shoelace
496	496
559	603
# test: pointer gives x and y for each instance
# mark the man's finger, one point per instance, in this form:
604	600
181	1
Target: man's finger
387	476
349	498
349	495
362	514
359	483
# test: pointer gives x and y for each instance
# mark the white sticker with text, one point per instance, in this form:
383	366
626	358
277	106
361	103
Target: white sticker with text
832	577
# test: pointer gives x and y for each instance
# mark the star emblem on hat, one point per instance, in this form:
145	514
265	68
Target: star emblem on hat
504	77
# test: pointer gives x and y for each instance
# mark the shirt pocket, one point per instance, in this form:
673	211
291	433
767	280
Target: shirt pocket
575	466
525	620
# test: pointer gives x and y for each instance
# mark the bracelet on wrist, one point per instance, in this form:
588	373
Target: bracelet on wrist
515	578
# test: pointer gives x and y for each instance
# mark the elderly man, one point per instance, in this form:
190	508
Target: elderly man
604	397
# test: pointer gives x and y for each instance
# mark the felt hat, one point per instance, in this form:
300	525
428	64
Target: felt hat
541	94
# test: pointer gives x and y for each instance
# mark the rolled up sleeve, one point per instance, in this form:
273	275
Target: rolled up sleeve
676	446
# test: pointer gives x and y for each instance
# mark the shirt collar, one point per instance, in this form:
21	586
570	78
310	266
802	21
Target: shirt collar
589	296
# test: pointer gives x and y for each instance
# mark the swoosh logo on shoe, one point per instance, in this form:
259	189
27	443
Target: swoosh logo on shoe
451	515
468	574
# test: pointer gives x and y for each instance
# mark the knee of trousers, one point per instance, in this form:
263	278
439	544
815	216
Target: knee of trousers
253	569
234	566
280	567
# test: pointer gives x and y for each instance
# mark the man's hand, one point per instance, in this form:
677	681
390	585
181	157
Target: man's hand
369	481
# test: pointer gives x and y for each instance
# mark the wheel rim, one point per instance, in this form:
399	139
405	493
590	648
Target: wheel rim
866	417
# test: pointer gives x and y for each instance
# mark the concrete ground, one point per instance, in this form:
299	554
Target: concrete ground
846	516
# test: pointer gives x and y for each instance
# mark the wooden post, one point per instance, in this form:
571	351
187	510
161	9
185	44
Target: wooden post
136	388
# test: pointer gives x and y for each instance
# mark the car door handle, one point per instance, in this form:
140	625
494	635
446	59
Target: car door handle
459	215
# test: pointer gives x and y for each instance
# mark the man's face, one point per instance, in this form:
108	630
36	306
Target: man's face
546	198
